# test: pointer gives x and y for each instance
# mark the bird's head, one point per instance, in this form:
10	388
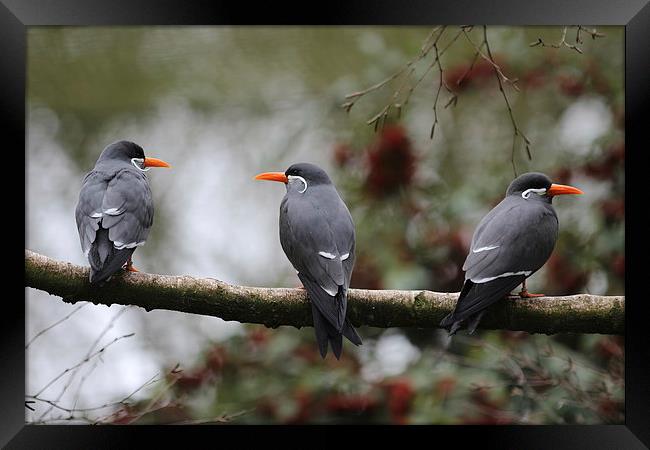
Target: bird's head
537	185
130	153
298	177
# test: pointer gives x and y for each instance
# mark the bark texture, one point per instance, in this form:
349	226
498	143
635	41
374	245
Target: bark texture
282	306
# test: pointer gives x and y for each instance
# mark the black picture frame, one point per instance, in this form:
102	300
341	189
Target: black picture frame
17	15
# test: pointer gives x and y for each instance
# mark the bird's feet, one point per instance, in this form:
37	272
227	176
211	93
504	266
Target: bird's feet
129	266
525	294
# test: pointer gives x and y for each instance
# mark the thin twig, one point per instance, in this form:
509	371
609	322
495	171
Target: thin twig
83	381
442	82
74	409
383	114
150	406
435	101
45	330
424	50
436	61
87	357
431	66
516	130
474	59
85	360
490	59
223	418
563	42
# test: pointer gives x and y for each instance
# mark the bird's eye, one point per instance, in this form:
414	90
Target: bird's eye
527	192
138	163
304	182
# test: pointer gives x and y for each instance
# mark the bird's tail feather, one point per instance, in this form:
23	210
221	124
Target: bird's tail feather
350	333
104	258
473	321
450	321
475	298
326	333
322	336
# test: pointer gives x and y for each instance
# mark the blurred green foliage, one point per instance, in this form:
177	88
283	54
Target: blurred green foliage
498	378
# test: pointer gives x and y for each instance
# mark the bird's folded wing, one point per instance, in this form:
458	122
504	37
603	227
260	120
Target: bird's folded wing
480	296
515	238
89	207
127	209
344	236
309	243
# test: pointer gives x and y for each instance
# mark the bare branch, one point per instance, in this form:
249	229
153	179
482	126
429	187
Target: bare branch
469	69
490	59
87	358
424	50
223	418
274	307
441	83
383	114
516	130
74	411
430	42
83	361
563	42
45	330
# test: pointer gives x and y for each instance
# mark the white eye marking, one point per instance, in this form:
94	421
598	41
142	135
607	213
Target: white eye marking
332	293
114	211
540	191
507	274
137	162
297	177
96	215
327	255
482	249
121	245
344	257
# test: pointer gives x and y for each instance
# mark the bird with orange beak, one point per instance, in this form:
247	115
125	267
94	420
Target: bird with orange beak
115	208
513	241
317	235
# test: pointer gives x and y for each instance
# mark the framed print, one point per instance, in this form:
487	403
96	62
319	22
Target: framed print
373	214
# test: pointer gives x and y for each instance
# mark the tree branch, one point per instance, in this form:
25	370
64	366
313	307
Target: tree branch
281	306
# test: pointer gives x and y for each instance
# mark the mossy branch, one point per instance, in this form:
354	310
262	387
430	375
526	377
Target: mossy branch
281	306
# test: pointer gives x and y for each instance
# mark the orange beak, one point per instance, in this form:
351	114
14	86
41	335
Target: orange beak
562	189
273	176
155	162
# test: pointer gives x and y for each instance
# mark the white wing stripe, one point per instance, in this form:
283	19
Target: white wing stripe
113	211
482	249
121	245
332	293
507	274
327	255
344	257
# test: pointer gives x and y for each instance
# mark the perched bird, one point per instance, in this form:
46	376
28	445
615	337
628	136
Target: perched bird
115	209
317	235
512	242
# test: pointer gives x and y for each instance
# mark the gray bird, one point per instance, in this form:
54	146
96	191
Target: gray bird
115	209
317	235
513	241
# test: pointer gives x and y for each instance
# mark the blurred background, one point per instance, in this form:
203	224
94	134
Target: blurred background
222	104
